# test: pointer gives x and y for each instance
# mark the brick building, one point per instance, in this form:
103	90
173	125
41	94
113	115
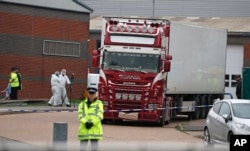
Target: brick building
43	36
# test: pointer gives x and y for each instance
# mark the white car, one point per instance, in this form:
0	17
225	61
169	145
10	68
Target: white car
227	117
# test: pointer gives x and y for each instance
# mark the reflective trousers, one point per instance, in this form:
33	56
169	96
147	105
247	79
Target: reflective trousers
93	145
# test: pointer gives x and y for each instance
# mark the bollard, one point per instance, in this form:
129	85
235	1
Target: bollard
60	136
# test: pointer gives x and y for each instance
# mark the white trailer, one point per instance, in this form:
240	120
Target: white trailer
197	75
93	80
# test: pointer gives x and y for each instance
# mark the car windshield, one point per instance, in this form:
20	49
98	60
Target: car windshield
241	110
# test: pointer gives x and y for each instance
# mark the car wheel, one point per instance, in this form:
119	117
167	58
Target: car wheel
206	138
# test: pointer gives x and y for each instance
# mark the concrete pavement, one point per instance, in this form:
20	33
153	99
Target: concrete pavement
40	120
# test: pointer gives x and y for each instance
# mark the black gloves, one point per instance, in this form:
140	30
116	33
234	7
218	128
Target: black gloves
88	124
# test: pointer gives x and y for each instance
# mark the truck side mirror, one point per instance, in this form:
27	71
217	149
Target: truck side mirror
95	58
168	57
167	64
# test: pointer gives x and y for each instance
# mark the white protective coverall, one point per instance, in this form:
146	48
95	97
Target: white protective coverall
63	81
55	99
7	91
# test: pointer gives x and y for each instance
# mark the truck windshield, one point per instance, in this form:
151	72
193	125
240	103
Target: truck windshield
131	62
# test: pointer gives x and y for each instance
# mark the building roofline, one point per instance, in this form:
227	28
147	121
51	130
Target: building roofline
83	5
27	3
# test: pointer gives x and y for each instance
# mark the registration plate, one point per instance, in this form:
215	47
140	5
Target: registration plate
128	116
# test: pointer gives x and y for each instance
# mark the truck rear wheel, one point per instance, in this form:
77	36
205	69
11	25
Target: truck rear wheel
203	109
210	102
196	113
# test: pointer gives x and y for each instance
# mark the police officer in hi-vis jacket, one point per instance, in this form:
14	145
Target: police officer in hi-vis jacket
15	82
90	115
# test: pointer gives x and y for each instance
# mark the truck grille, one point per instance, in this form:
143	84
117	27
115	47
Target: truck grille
128	98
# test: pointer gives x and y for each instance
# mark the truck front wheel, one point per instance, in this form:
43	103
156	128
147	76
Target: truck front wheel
163	119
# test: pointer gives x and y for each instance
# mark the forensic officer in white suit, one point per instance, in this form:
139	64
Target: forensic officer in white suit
64	79
55	99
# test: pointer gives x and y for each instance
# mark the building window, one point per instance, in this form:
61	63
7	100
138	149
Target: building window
227	80
234	82
226	84
227	77
61	48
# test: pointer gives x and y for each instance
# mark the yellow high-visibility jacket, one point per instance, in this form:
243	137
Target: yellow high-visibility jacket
14	82
93	113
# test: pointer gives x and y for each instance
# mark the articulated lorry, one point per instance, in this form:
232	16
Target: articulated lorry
139	80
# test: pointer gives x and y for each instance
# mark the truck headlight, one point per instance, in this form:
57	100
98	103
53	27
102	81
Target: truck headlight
138	97
124	96
131	96
118	96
